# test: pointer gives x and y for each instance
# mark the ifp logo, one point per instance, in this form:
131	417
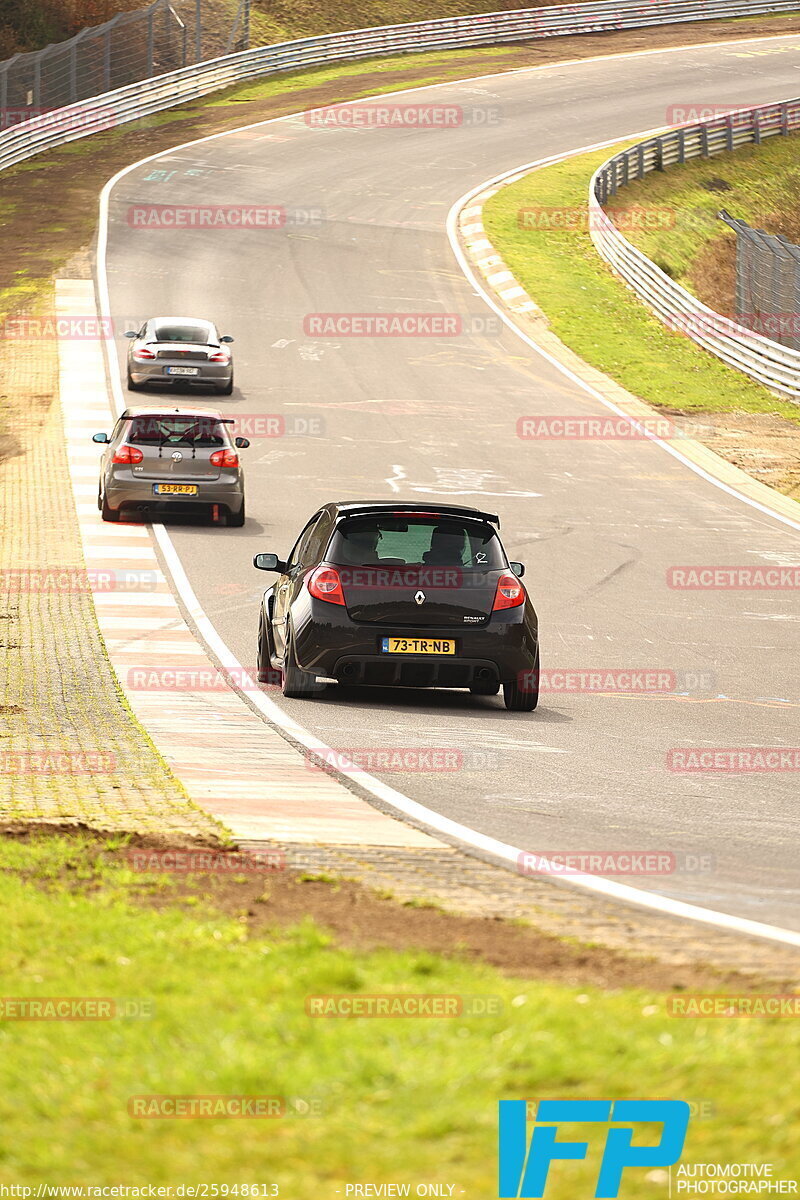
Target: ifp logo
524	1168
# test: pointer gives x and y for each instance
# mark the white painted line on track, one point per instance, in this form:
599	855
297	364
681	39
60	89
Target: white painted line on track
609	889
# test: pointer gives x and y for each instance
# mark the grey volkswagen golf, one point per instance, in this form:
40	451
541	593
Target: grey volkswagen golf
184	460
170	350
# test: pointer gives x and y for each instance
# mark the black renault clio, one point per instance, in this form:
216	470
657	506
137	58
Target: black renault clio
403	595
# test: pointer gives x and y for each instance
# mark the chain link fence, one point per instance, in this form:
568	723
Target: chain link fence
132	46
767	283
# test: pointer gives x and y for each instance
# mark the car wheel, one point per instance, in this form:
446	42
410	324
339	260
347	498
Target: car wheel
227	388
525	699
296	684
484	689
132	387
108	513
235	520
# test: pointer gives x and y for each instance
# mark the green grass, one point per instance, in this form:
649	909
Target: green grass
763	181
404	1100
596	315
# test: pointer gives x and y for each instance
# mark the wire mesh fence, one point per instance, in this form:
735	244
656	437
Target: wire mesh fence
767	282
132	46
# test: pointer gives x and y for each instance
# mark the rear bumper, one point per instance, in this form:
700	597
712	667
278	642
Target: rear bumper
208	373
337	648
139	494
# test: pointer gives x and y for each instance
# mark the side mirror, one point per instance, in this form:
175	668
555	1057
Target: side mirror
226	338
131	333
241	443
101	437
518	569
269	562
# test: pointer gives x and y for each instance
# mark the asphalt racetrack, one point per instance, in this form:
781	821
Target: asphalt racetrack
598	523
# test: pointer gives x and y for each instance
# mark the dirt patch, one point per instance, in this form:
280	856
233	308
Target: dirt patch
764	445
361	919
25	831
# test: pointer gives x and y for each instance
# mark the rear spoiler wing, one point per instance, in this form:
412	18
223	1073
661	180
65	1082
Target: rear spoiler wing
446	510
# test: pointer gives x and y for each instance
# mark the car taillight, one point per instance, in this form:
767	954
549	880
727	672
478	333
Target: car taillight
325	584
509	594
221	356
128	454
143	354
225	458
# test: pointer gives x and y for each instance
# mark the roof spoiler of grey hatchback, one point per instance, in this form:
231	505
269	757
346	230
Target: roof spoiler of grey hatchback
455	510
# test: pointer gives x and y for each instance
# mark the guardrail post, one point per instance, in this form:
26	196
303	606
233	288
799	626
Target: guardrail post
659	154
681	146
757	127
729	132
640	160
784	119
704	140
625	170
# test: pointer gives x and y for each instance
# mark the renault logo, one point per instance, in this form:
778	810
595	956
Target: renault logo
420	597
177	456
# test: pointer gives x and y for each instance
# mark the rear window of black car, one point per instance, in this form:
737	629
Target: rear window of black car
199	334
416	541
176	431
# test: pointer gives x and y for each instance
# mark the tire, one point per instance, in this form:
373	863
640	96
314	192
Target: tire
235	520
296	684
108	513
132	387
484	689
519	699
226	389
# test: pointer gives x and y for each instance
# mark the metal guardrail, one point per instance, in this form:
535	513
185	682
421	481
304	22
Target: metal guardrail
765	360
138	100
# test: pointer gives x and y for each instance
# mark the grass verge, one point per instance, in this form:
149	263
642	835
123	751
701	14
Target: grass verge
596	315
229	1017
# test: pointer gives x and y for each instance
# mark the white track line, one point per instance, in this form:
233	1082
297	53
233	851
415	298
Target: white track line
432	820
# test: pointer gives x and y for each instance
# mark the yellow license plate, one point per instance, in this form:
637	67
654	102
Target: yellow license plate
403	645
175	489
